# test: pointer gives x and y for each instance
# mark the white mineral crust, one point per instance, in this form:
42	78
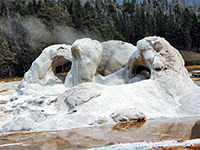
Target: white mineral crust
114	56
86	57
154	83
42	72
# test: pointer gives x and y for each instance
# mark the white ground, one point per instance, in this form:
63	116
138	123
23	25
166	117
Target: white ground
150	145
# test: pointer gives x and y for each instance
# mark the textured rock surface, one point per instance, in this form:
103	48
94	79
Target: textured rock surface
42	72
114	56
87	54
154	83
86	57
154	59
76	96
127	115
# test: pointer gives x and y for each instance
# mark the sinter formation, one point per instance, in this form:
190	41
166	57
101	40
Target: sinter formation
107	82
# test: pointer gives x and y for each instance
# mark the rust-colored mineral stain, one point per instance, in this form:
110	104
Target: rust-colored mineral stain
75	52
7	111
3	91
11	79
193	147
128	125
57	142
84	138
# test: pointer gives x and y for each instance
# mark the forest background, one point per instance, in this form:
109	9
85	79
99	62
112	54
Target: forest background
28	26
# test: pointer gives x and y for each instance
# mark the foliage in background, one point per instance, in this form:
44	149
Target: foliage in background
28	26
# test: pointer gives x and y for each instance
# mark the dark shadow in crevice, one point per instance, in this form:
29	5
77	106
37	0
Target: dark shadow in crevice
140	69
61	67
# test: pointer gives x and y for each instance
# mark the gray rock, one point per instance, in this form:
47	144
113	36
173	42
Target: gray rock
77	96
19	124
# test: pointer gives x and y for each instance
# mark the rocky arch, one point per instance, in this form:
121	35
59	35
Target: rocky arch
43	69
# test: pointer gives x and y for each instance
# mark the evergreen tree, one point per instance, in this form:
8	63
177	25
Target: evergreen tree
195	30
21	43
186	27
89	16
7	60
77	14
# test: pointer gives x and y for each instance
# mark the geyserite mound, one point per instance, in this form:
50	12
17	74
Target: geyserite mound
153	83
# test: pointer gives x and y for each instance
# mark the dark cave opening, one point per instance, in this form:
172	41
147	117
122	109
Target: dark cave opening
144	71
142	68
61	71
60	67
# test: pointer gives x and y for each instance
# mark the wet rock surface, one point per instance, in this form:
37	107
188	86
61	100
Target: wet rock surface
156	130
196	130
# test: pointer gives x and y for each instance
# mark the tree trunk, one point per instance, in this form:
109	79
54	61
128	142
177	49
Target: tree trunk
10	73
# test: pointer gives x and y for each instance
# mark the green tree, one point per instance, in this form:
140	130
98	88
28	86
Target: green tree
161	23
53	15
77	15
195	30
89	16
7	60
186	29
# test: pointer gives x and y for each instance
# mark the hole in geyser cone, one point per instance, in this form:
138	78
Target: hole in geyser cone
144	71
140	73
61	67
62	71
140	69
